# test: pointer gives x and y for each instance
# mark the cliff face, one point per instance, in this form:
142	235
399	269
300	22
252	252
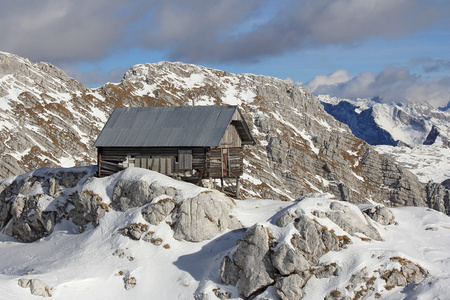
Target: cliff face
49	119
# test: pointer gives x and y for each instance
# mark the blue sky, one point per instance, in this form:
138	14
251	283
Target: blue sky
398	50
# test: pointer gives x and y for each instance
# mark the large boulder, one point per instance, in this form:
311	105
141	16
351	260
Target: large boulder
87	208
351	221
157	212
252	257
29	222
203	217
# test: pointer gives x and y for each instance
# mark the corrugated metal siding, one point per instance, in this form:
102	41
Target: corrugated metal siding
189	126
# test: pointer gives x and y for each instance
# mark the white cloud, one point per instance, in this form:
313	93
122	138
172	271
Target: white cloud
392	84
339	76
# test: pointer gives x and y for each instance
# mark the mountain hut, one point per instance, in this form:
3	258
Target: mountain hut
187	142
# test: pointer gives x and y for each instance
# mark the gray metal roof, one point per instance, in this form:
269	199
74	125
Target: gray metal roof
175	126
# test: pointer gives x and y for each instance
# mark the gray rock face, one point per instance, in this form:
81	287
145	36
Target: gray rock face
156	212
88	208
128	194
253	260
29	223
203	217
438	197
258	262
25	212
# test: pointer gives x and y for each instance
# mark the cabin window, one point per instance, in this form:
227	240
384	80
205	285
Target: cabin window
185	159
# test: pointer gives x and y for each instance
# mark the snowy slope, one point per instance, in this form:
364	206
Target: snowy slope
46	117
96	263
427	162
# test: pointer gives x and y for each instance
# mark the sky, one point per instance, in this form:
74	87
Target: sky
395	50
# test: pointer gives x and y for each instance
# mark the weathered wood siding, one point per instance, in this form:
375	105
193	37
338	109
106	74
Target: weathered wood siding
214	163
163	160
224	163
231	138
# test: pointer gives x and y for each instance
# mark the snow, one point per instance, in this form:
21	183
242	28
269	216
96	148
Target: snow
253	180
427	162
83	265
301	133
194	80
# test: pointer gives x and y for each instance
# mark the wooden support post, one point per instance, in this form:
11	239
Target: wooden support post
99	163
238	188
221	182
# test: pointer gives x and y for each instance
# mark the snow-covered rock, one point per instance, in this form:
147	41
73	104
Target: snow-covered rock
32	204
310	255
37	287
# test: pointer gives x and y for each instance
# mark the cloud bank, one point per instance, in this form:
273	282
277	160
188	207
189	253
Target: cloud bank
64	31
393	84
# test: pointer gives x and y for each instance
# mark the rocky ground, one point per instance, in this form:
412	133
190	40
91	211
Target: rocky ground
140	233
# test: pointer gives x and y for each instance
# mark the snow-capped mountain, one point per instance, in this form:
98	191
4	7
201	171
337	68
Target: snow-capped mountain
48	119
379	123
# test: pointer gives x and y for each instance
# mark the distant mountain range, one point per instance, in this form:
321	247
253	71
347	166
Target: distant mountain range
377	123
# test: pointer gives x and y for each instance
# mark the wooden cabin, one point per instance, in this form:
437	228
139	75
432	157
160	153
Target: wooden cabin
187	142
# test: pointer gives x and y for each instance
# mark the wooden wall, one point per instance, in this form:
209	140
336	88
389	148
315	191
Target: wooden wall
225	163
231	138
209	163
163	160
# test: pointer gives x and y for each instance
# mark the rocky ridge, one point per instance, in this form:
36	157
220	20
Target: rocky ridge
33	203
300	148
266	261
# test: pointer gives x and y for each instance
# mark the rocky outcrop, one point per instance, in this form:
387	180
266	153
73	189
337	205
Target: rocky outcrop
438	197
261	261
29	206
288	262
32	204
193	219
